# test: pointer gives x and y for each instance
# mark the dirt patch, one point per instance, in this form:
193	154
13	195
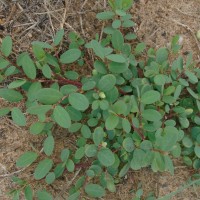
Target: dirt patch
157	21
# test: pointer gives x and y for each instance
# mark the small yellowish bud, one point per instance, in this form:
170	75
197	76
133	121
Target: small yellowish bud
102	95
104	144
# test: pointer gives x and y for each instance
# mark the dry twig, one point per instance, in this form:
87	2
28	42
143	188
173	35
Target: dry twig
48	13
13	173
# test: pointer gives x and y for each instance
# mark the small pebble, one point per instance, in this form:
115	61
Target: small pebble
198	34
30	35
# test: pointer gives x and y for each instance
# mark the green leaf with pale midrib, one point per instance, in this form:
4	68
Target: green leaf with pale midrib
117	40
26	159
150	97
6	46
95	190
28	66
105	15
49	145
118	58
79	101
18	117
40	109
70	56
44	195
10	95
106	157
151	115
49	96
111	122
43	168
61	117
59	36
107	82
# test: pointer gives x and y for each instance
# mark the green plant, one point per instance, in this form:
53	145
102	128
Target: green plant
136	109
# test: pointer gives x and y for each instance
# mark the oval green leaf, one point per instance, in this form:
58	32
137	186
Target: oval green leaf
105	15
197	151
79	153
6	46
26	159
58	37
61	117
111	122
118	58
4	111
70	56
16	84
74	196
79	101
28	66
98	136
162	55
44	195
28	192
95	190
106	157
90	150
70	165
128	144
49	96
37	128
151	115
107	82
49	145
117	40
18	117
150	97
10	95
40	109
97	48
43	168
50	178
117	68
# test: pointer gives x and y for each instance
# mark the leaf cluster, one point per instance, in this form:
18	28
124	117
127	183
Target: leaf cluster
136	109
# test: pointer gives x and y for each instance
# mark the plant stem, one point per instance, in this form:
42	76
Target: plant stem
60	79
138	130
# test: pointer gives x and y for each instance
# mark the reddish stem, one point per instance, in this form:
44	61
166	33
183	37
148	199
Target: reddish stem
82	165
60	79
138	131
67	81
122	92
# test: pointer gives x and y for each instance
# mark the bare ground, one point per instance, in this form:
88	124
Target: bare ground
157	21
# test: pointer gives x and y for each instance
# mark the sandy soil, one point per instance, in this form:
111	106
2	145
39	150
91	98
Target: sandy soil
157	21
